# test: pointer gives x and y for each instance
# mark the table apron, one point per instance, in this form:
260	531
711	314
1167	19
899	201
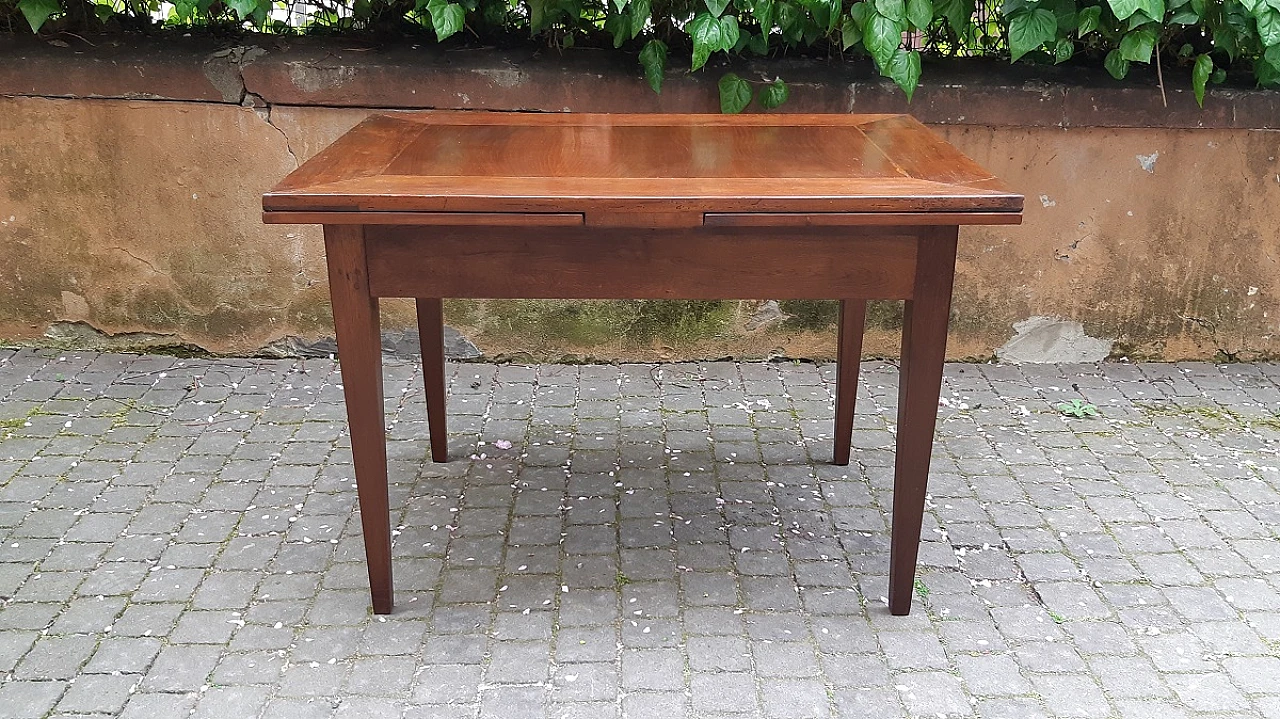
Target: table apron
631	263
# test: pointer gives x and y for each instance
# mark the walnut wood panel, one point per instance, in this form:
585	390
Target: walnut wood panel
841	219
640	263
487	162
468	219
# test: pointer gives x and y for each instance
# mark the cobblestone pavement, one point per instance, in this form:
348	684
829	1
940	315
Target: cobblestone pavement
180	536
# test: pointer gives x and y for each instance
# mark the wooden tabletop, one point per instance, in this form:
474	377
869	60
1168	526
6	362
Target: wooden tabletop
481	162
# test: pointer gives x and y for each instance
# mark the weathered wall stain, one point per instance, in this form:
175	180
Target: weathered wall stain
141	220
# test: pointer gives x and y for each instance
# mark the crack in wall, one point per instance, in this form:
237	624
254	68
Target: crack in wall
264	111
140	260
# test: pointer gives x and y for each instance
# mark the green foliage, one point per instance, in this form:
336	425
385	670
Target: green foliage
1077	408
654	60
735	94
1202	40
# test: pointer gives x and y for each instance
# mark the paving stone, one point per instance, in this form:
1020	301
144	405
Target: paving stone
652	669
380	676
29	699
220	702
517	662
932	693
719	653
992	675
98	694
1102	574
723	692
56	657
123	654
1071	695
181	668
646	705
795	698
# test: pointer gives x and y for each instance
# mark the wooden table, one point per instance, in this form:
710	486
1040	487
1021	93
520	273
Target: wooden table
517	205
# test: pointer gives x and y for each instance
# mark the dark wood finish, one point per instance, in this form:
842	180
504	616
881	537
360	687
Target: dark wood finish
585	263
433	205
431	337
924	347
467	219
610	164
355	320
858	219
852	322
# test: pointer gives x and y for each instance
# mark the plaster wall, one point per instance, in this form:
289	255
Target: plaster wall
134	219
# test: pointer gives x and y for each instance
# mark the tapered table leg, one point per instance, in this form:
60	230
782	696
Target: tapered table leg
924	344
853	319
355	319
431	335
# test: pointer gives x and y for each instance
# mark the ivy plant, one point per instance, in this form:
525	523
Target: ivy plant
1206	38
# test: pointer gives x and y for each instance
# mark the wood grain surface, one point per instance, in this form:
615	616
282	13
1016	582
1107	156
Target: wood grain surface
500	162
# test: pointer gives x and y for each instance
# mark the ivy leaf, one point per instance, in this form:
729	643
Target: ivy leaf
882	37
1268	75
920	13
537	15
1268	25
763	12
243	8
826	13
958	14
619	26
904	69
1030	30
735	94
1138	44
895	10
729	32
1272	55
860	12
1116	65
1063	50
654	60
1154	9
716	6
1200	76
1124	8
185	9
1089	18
1199	6
640	12
620	4
1251	5
37	12
759	44
850	34
1185	16
446	17
707	38
773	94
1065	12
787	15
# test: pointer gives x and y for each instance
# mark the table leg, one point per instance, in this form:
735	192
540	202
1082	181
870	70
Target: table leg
355	319
431	335
924	344
853	319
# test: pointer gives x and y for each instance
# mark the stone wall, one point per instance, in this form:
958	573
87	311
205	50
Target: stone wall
131	175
